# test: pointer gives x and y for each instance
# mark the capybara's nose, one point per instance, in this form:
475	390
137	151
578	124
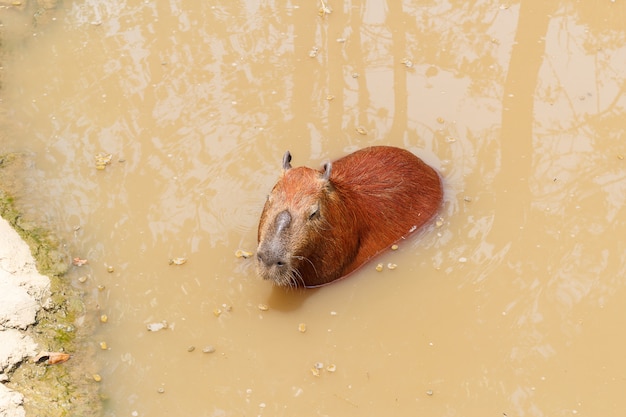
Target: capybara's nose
269	259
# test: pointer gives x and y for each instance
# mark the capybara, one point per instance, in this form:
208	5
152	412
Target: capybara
318	226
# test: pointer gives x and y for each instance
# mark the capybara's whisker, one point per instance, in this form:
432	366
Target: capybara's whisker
339	217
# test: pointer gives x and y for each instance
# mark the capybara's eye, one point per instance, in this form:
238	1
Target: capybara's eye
315	211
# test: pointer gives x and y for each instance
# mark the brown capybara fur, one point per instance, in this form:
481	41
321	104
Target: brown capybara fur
318	226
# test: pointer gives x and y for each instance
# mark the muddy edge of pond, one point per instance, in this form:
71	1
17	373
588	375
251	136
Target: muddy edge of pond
57	323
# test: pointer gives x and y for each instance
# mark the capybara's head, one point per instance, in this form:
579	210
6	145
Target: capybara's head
293	224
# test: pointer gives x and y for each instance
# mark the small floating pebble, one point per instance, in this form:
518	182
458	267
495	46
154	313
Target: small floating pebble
462	259
315	371
379	267
208	349
104	318
110	269
103	345
429	392
161	390
330	97
331	368
263	307
319	365
191	348
82	279
217	312
439	222
101	287
302	327
391	266
394	247
96	377
361	130
467	199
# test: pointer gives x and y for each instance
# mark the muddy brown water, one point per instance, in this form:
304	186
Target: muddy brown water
514	305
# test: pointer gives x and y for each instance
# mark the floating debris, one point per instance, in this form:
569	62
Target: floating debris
103	345
104	318
440	120
161	390
208	349
439	222
82	279
110	269
391	266
325	9
79	262
361	130
407	62
101	287
379	267
330	97
51	358
177	261
313	52
191	348
462	259
240	253
217	312
263	307
318	367
467	199
302	327
394	247
96	377
102	160
155	327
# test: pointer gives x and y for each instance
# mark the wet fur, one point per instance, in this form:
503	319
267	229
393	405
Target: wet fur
373	197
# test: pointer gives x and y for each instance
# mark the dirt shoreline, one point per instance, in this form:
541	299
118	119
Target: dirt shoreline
23	293
40	311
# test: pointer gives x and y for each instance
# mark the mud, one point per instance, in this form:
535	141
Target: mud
509	304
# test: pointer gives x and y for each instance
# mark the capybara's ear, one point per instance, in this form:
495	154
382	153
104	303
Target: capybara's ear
327	169
287	161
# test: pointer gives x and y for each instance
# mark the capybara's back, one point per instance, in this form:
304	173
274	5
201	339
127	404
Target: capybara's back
318	226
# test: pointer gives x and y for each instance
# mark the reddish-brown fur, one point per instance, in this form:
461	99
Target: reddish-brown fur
318	226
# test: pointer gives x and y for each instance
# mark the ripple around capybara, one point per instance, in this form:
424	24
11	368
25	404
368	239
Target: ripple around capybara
318	226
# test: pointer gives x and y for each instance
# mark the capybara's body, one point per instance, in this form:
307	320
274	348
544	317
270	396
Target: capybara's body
318	226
